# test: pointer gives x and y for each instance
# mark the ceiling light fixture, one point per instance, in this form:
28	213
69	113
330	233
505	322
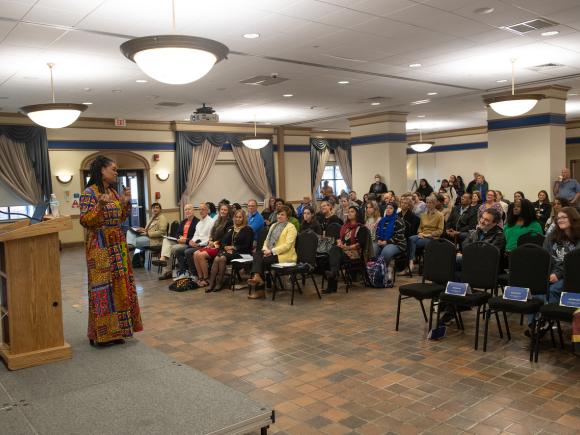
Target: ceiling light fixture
513	105
420	116
141	81
501	81
432	93
53	115
87	103
174	59
375	103
484	11
415	103
550	33
343	82
251	35
415	65
255	142
288	95
421	145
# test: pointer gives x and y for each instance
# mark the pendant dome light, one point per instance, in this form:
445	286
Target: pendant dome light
255	142
513	105
421	145
174	59
53	115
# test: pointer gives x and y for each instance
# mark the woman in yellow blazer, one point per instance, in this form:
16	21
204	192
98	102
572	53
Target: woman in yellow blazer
278	248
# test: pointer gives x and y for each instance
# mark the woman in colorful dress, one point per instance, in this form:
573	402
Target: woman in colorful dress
113	306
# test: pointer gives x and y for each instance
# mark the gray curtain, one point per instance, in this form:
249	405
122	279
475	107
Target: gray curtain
36	145
203	157
321	157
16	170
253	170
342	158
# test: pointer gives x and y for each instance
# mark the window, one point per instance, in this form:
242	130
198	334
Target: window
334	177
9	213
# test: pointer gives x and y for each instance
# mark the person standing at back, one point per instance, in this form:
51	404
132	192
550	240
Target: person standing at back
567	188
378	187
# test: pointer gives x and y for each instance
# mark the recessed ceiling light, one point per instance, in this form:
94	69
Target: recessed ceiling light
376	103
288	95
550	33
501	81
141	81
432	93
326	129
572	95
420	102
415	65
116	91
420	116
251	35
343	82
87	89
484	11
88	103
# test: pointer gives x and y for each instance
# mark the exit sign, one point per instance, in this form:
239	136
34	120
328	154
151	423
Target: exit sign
120	123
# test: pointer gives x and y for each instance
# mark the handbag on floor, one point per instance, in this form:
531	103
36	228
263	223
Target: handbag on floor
183	284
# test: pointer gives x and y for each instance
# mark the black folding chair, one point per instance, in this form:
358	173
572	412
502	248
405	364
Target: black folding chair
333	230
306	243
554	312
529	268
359	265
480	265
531	238
439	268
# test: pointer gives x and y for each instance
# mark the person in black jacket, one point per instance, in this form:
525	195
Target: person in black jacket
424	188
412	221
488	230
309	221
463	219
543	207
237	240
378	187
325	216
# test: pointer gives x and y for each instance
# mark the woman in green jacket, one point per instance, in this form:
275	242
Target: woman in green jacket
521	219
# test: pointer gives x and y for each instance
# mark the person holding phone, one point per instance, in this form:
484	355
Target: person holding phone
113	306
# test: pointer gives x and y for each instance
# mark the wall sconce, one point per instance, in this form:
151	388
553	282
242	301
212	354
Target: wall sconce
162	175
64	178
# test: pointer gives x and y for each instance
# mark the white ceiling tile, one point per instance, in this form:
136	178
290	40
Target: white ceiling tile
308	9
15	9
504	14
54	16
382	7
571	42
344	18
542	7
33	36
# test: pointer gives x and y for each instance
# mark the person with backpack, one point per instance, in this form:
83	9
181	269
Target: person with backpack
390	238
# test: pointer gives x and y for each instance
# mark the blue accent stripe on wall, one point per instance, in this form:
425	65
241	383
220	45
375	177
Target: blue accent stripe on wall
571	140
102	145
294	148
527	121
454	147
377	138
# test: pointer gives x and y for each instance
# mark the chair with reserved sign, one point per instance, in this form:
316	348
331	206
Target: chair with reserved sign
480	264
555	312
529	269
439	268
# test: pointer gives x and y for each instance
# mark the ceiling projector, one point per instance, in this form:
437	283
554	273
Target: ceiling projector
204	113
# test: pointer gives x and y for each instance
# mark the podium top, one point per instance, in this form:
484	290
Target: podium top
22	231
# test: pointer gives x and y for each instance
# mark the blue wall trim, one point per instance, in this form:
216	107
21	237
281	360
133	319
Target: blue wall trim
377	138
571	140
454	147
527	121
102	145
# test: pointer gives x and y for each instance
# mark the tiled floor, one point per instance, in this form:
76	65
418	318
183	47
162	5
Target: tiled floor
337	366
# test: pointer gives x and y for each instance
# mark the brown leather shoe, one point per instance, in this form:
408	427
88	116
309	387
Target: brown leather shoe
258	294
255	280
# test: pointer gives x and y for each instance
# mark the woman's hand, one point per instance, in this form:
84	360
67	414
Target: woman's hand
104	199
127	195
267	252
382	242
553	278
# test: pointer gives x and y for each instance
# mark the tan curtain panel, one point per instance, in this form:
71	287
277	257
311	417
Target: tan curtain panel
17	171
203	157
323	156
341	156
253	169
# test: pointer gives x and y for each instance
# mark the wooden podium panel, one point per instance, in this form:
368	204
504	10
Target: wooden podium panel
30	294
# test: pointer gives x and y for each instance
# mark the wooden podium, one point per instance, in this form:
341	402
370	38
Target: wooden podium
30	293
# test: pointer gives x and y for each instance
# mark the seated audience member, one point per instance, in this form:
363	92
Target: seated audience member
476	199
278	206
378	187
238	240
390	238
366	198
459	186
567	188
543	207
202	255
564	239
309	222
412	221
519	195
504	203
326	191
277	248
449	190
372	218
488	230
419	207
343	205
326	216
556	206
354	199
212	209
269	210
446	208
333	201
170	248
199	240
153	233
348	247
463	219
424	188
255	219
306	202
236	206
521	219
431	227
490	202
292	218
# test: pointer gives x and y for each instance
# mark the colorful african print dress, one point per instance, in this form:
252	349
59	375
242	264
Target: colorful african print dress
113	305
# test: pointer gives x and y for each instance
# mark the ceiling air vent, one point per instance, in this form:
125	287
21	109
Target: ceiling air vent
530	26
546	67
269	80
169	104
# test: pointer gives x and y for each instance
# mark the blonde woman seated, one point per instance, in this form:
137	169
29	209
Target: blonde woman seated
202	256
372	218
278	248
238	240
430	228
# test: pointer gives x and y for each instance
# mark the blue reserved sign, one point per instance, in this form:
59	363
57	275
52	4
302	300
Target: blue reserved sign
570	300
457	288
516	293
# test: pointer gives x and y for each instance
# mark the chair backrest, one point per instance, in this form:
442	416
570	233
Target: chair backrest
530	268
533	238
365	241
439	261
173	229
333	230
572	271
480	265
306	243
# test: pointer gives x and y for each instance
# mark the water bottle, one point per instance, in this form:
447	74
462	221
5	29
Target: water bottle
54	206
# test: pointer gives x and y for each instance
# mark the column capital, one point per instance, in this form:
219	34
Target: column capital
378	118
557	92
